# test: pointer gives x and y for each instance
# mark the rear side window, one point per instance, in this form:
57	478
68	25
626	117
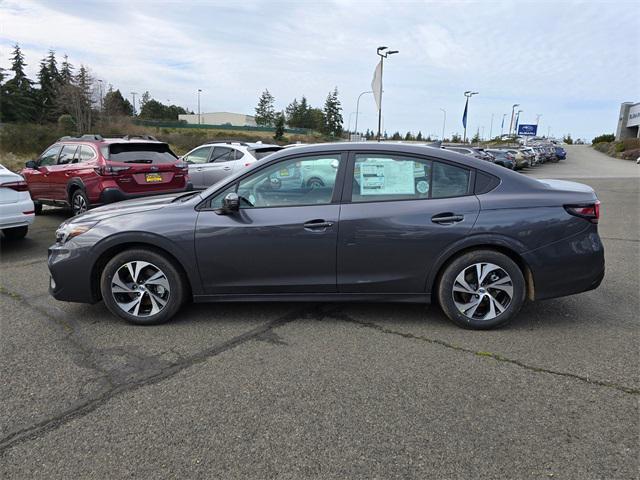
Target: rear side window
67	154
155	153
449	181
379	178
50	157
222	154
85	153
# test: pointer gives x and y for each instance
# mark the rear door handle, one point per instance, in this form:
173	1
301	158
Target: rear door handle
447	218
317	225
227	168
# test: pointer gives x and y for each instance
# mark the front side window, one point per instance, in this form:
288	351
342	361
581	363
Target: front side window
286	183
199	155
378	177
67	154
50	157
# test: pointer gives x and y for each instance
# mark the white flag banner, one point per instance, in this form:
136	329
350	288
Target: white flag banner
376	84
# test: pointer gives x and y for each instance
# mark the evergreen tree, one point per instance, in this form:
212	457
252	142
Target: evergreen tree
50	81
115	105
279	123
18	104
396	136
144	99
265	112
292	114
66	72
333	114
419	136
408	136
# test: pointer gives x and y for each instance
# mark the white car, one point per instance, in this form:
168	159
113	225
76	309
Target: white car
16	207
211	162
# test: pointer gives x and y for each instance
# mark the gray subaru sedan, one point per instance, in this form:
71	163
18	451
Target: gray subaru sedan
388	223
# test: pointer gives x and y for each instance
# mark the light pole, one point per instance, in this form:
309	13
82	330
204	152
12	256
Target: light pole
134	102
358	108
349	124
515	129
467	94
444	122
538	115
199	120
513	110
502	126
100	91
383	53
491	128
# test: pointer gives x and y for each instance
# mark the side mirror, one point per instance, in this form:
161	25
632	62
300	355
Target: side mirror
31	164
231	202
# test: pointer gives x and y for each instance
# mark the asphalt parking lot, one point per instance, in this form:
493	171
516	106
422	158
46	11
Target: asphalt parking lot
328	390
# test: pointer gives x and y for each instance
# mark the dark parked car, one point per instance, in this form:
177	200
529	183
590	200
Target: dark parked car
503	158
397	223
561	153
86	171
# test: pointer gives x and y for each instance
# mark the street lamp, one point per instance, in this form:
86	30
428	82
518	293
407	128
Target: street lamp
502	125
358	108
199	119
513	110
444	122
467	94
133	94
515	129
382	52
491	128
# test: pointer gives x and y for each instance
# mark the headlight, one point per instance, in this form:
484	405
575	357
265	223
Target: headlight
68	231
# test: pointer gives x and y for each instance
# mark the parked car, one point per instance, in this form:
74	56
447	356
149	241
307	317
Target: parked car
16	208
531	155
503	158
87	171
394	222
213	161
561	153
520	159
473	151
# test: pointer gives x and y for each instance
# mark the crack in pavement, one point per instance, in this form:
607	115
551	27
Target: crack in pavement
346	318
95	401
621	239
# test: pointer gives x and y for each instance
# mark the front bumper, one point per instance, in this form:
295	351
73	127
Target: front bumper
70	268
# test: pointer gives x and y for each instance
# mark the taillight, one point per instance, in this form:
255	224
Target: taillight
110	170
589	211
182	166
19	186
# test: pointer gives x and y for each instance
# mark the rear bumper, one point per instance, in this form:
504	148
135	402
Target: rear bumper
12	214
567	267
111	195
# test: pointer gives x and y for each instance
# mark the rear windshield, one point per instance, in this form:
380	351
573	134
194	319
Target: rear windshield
263	152
140	153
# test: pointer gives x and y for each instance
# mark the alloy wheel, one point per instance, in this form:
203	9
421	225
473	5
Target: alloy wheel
482	291
140	289
79	204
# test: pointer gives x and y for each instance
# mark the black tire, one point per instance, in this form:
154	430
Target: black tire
315	182
15	233
486	295
176	292
37	208
79	202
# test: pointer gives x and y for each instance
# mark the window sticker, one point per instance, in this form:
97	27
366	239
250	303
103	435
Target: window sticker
383	176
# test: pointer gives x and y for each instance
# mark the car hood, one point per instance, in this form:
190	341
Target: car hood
126	207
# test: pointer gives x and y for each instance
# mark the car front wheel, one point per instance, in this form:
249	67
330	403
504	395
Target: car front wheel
79	202
482	289
142	286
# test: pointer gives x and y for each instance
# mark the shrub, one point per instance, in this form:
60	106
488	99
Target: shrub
21	138
619	147
607	137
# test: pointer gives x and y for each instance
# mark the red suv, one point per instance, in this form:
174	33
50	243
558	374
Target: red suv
87	171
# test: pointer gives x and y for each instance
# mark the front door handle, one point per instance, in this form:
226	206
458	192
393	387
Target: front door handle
447	218
317	225
227	168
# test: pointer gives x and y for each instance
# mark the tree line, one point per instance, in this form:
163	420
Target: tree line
300	114
73	98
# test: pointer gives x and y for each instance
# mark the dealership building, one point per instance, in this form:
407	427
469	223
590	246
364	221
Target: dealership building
628	121
220	118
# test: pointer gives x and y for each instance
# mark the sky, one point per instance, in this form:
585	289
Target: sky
573	63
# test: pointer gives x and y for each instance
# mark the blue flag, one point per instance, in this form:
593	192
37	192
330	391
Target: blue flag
464	115
502	126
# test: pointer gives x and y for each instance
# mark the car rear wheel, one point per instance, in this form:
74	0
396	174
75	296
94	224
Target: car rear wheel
481	289
315	183
142	287
15	233
79	202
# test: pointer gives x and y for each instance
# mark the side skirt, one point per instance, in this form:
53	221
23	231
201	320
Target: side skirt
317	297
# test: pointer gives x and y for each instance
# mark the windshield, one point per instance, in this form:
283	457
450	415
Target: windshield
260	153
141	153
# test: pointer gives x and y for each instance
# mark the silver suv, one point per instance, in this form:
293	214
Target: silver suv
213	161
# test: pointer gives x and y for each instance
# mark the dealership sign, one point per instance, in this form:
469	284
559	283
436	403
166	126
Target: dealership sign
634	116
528	130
